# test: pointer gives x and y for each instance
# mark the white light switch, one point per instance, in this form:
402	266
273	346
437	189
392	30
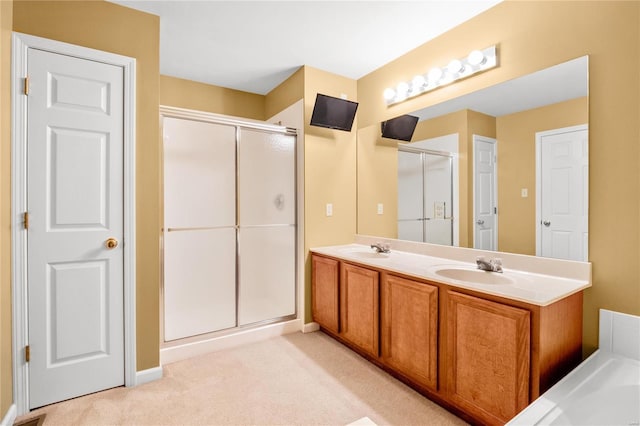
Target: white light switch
329	209
380	208
524	192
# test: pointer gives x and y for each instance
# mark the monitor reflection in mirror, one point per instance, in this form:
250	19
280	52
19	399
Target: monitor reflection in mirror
400	128
558	94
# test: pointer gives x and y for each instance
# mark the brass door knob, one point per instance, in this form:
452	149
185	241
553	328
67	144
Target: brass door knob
111	243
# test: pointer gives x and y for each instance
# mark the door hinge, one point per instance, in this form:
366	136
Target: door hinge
25	220
26	86
27	353
495	210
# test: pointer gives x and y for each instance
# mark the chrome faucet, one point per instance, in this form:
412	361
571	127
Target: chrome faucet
493	265
381	248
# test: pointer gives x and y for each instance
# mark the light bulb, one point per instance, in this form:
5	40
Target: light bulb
446	78
389	93
455	66
402	89
476	58
418	81
435	74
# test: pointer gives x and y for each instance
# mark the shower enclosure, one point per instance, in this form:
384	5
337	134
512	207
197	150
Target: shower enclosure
229	224
425	196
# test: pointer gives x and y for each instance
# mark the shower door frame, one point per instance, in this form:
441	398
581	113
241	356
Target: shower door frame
422	152
238	123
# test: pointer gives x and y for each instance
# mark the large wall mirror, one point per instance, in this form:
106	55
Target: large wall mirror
504	168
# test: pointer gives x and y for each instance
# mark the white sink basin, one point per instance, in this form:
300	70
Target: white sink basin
474	276
364	252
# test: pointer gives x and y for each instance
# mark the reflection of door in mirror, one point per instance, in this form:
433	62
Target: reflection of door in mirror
562	170
427	190
485	190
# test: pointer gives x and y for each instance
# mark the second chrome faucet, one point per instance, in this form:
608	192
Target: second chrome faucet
492	265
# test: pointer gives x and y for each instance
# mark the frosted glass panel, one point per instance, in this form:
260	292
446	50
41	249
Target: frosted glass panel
199	282
438	231
266	178
199	174
267	273
410	197
411	230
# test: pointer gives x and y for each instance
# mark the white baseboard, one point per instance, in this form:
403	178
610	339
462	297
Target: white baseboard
148	375
10	417
188	350
310	327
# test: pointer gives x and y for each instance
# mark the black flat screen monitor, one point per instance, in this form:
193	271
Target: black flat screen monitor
400	128
333	113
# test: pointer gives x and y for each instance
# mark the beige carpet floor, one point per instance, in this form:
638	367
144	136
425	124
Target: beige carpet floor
298	379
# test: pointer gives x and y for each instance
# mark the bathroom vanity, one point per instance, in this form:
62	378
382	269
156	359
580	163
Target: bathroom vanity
482	344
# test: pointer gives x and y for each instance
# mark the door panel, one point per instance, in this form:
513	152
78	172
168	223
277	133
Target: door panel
438	199
73	341
325	292
359	289
200	282
199	174
409	321
75	200
72	180
267	273
489	357
266	178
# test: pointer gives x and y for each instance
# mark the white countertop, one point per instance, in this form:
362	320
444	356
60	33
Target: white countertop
534	288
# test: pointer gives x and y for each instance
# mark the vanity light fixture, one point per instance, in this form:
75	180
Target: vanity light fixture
477	61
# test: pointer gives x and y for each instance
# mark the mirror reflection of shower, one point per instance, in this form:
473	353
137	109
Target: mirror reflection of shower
427	188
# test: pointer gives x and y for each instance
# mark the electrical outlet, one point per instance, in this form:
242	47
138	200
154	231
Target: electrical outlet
380	208
524	192
329	209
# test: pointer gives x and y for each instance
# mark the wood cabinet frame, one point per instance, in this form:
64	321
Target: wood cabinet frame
554	339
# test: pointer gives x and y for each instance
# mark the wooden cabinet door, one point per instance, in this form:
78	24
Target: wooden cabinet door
359	307
487	357
410	329
324	292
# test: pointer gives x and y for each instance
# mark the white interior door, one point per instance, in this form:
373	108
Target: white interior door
75	201
563	187
485	190
200	227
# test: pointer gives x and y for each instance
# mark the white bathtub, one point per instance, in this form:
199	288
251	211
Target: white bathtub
603	390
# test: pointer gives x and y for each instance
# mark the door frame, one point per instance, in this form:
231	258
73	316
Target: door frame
539	136
493	141
21	44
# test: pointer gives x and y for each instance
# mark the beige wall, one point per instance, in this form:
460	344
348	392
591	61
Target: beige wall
188	94
377	182
112	28
532	36
329	172
286	94
6	372
516	134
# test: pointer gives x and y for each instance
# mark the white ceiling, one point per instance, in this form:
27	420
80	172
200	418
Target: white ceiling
255	45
